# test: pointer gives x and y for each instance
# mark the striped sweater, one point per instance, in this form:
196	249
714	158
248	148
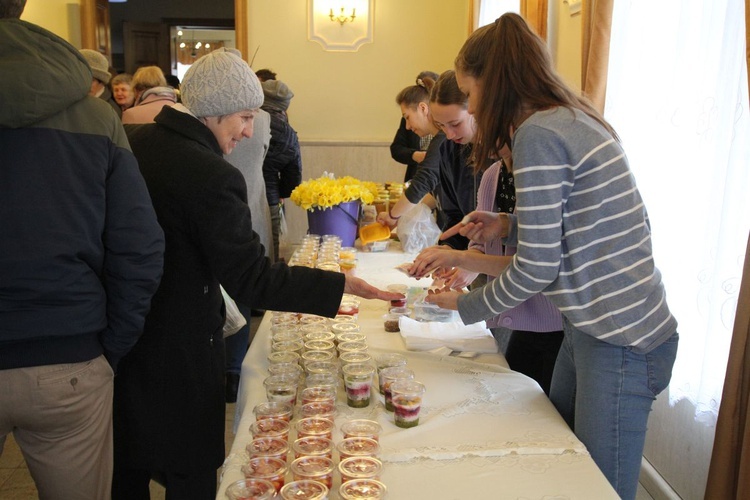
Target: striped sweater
583	236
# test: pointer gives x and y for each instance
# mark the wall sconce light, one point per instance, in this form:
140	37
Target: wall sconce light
349	35
343	18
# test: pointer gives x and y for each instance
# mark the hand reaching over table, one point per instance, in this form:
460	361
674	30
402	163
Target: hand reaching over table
361	288
480	227
446	300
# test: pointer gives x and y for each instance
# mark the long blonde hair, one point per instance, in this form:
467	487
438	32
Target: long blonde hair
515	70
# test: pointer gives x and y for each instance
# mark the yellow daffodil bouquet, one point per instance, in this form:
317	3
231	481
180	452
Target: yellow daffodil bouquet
327	192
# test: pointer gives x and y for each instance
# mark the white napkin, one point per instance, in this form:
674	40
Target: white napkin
424	336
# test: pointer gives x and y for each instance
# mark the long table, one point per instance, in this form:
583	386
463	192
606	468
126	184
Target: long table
484	432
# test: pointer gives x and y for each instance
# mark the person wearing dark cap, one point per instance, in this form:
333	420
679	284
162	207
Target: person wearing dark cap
169	393
282	168
80	258
100	78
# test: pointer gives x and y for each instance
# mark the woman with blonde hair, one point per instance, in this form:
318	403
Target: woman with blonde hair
152	94
583	239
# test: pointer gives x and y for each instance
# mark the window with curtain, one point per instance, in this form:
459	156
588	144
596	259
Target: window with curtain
677	94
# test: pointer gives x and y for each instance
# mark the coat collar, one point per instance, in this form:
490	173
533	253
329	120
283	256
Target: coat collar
189	126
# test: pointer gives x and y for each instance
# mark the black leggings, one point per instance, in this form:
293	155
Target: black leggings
534	354
132	484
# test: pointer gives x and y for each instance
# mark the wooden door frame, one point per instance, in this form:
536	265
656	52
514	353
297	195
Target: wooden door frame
240	28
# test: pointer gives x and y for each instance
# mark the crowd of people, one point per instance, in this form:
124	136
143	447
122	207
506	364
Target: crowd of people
129	202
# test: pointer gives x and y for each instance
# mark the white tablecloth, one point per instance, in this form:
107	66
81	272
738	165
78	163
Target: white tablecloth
484	432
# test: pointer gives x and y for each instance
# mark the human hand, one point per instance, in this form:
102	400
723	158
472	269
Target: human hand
385	219
418	156
457	278
433	258
446	300
361	288
480	227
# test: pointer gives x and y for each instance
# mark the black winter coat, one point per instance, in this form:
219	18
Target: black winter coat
169	400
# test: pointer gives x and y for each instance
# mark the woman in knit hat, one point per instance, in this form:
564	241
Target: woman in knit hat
169	410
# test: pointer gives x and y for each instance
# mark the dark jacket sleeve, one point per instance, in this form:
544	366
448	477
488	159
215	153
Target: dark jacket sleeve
404	145
237	259
427	177
134	255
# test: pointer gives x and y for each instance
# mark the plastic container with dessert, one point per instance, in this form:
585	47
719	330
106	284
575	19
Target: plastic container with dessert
313	468
251	489
313	446
268	447
360	468
304	489
360	489
272	470
357	447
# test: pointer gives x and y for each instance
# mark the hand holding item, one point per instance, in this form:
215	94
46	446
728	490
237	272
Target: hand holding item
446	300
432	259
457	278
385	219
361	288
480	227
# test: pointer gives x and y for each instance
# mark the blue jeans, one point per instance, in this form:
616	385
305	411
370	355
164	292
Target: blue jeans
605	392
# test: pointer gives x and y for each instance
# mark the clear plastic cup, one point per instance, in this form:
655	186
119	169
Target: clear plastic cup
389	360
323	409
357	381
363	489
250	489
348	253
390	375
330	367
320	345
316	327
288	345
314	426
290	369
314	469
345	327
268	447
322	380
398	288
319	336
285	336
270	427
343	318
406	396
354	357
273	409
283	357
272	470
307	319
349	307
318	394
282	388
362	428
315	355
352	346
392	317
304	489
350	336
358	447
312	446
360	468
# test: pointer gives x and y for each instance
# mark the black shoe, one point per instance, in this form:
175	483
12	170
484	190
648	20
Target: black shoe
231	387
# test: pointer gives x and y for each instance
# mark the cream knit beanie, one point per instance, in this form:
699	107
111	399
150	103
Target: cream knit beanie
220	83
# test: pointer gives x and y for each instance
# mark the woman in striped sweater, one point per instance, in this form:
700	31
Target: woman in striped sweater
583	239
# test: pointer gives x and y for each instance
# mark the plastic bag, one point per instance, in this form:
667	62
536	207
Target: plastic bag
417	229
234	320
